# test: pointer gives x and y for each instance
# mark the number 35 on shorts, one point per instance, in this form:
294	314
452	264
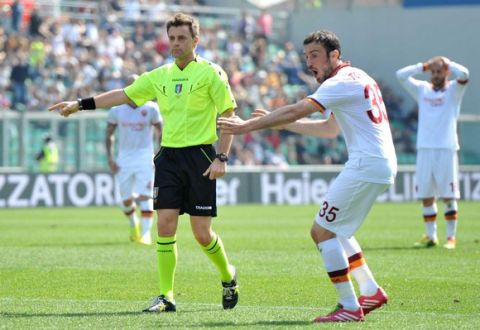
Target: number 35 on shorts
328	212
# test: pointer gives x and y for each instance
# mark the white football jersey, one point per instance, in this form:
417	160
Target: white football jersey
135	132
437	110
356	102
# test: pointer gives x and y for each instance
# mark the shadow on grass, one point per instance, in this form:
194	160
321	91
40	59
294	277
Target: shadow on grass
96	314
130	313
252	324
73	244
392	248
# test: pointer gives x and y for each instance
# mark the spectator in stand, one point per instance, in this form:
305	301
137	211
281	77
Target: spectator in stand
35	24
36	56
258	52
245	27
18	80
131	11
17	15
265	24
291	64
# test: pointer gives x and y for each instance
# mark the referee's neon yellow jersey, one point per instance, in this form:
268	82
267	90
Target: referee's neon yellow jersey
189	100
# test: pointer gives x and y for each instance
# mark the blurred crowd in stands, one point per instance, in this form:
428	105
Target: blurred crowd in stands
44	59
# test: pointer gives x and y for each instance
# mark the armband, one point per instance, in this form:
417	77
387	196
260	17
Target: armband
86	104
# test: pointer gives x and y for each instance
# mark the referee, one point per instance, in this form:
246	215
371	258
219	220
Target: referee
190	92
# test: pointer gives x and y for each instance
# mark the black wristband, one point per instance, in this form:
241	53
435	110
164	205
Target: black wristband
86	104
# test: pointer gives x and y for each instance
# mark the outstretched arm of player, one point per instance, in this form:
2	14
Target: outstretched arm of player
281	116
103	101
323	128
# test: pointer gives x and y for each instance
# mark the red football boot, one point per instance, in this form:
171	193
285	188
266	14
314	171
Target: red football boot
370	303
341	315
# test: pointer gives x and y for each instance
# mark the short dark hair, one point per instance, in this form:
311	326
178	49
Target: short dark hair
327	39
181	19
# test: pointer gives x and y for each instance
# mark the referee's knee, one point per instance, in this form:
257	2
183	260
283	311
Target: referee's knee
203	238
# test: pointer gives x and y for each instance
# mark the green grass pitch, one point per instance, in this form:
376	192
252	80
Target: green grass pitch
74	268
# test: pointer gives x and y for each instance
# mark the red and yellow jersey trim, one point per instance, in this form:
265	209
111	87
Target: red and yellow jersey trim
316	104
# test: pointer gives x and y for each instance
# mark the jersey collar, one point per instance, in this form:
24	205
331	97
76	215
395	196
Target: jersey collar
188	64
335	71
443	89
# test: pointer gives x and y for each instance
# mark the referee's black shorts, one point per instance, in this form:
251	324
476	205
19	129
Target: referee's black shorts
179	181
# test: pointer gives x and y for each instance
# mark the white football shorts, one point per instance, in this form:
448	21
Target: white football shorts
347	203
437	174
135	181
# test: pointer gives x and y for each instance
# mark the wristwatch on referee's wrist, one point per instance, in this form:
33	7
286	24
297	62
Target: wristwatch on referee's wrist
222	157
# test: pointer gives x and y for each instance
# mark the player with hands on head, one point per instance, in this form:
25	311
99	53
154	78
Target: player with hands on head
351	99
191	92
439	101
133	167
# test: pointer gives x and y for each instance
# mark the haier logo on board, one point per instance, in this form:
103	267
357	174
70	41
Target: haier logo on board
276	189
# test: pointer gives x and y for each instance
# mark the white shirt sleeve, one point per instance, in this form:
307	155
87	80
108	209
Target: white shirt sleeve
333	93
411	84
461	73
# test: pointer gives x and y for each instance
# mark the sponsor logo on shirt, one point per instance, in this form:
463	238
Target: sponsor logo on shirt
134	126
435	101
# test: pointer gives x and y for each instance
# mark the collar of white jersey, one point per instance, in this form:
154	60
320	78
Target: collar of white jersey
443	89
343	65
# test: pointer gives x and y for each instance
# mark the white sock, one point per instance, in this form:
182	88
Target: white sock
451	214
451	229
358	267
129	211
146	225
336	264
430	216
147	216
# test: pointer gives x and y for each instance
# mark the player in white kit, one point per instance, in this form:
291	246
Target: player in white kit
356	103
133	167
439	102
